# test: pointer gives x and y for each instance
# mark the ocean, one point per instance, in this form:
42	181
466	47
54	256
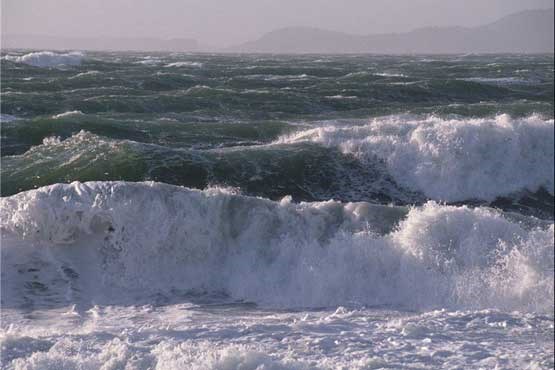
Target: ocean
250	212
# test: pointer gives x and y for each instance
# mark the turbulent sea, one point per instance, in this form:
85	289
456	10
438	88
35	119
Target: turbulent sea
249	212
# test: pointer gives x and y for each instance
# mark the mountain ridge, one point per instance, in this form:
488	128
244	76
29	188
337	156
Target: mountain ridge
528	31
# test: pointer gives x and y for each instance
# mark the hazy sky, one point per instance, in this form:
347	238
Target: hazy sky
226	22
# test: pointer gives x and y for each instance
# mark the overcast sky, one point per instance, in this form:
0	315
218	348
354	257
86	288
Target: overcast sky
226	22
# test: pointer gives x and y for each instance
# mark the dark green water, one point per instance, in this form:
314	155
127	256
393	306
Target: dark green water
224	120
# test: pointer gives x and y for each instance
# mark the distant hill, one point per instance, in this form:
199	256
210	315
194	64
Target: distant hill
530	31
70	43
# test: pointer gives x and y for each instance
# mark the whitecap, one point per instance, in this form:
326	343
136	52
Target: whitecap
496	80
450	159
68	114
84	74
184	64
341	97
277	254
389	74
149	61
48	59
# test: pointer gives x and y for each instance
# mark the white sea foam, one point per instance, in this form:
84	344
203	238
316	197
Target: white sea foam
357	74
183	336
68	114
51	141
497	80
48	59
149	60
123	241
341	97
298	77
389	74
184	64
450	159
84	74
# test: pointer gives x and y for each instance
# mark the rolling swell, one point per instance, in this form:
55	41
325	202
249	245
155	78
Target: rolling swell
271	88
116	241
306	172
451	159
404	159
165	130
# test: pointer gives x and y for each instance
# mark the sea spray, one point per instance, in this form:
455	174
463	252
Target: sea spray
450	159
47	59
273	253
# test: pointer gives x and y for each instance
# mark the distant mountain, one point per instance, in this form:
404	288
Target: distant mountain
70	43
530	31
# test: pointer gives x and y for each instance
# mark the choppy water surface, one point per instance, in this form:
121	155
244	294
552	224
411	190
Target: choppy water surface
332	212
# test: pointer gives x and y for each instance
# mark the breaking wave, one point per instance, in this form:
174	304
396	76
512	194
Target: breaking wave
450	159
47	59
109	241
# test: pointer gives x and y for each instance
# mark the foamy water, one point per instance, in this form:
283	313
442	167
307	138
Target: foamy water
89	246
451	159
48	59
172	211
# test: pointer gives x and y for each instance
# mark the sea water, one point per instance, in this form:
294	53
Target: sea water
196	211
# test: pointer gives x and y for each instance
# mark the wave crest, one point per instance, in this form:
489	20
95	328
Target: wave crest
451	159
47	59
105	241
